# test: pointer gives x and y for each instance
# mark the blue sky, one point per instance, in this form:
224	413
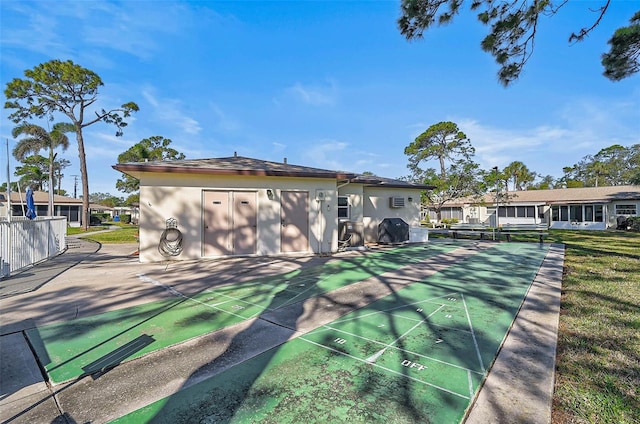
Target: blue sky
329	84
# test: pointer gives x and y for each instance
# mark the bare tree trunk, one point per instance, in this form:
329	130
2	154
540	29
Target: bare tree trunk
51	158
85	179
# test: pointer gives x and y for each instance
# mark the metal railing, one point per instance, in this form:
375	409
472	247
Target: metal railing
25	242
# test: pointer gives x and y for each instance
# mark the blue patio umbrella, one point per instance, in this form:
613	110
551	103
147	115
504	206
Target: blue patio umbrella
31	207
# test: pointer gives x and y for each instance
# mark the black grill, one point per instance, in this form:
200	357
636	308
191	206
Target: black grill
393	230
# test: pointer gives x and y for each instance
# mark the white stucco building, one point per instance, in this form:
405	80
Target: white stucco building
242	206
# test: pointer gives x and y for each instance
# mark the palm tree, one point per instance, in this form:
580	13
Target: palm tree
520	173
40	139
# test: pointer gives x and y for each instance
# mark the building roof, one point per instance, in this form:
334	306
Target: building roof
234	165
564	195
42	198
375	181
244	166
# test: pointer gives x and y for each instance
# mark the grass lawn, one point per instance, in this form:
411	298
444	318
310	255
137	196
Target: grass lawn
598	361
125	234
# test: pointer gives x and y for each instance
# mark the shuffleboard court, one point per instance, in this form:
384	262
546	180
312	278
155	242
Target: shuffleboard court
85	346
417	355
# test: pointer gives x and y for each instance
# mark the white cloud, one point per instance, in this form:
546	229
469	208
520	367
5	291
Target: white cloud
582	127
315	95
36	25
96	28
326	153
225	123
168	111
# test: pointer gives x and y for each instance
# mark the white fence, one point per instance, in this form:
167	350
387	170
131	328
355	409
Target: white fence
24	242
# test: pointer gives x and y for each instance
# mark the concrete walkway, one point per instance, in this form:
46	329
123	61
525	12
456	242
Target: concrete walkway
83	282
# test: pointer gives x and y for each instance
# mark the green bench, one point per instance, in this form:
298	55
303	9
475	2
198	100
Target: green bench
539	230
469	229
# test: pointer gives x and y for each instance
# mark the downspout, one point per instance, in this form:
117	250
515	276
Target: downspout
343	184
320	235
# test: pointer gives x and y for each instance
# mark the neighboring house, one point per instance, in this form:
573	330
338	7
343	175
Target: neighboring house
128	210
62	206
587	208
101	209
243	206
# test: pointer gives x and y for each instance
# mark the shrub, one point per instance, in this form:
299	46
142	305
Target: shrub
125	218
449	221
103	216
633	222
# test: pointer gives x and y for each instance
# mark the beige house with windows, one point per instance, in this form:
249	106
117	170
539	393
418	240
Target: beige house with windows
585	208
62	205
237	206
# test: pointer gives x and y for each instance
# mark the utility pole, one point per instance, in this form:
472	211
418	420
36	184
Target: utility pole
75	186
9	208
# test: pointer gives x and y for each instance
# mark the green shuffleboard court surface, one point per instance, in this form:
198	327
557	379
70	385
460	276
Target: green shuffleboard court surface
84	346
417	355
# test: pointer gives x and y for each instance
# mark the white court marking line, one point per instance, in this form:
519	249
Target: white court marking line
470	384
473	335
410	352
306	290
375	356
389	370
265	308
231	298
340	321
175	292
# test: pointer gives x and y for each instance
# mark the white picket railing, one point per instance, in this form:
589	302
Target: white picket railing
24	242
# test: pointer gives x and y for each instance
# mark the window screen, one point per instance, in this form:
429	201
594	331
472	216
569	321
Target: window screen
343	207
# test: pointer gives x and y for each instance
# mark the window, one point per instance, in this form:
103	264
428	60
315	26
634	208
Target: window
598	213
451	212
578	213
588	213
575	213
564	213
343	207
507	211
626	210
516	211
525	211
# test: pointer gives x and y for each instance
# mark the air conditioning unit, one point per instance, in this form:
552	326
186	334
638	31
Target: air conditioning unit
396	202
321	195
